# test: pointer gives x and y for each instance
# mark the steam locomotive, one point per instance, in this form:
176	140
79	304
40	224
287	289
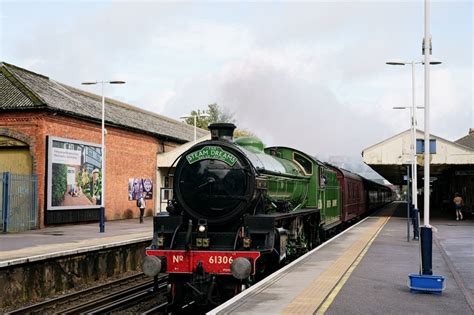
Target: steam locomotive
240	211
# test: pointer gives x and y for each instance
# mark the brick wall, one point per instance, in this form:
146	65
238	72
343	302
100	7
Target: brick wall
128	155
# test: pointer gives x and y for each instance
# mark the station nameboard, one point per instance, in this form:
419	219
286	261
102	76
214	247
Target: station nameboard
420	146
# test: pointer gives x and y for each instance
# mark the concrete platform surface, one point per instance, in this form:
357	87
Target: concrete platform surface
56	241
365	271
379	284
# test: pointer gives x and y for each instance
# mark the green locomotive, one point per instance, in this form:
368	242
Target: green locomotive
240	211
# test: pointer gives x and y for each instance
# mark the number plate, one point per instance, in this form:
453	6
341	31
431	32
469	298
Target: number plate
215	262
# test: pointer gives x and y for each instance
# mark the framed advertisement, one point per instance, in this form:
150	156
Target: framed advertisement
74	174
138	186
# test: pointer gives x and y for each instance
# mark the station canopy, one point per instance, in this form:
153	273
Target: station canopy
166	159
390	157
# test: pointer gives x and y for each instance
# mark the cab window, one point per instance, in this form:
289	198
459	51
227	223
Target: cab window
304	162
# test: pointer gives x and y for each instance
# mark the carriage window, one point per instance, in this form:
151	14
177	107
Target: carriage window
305	163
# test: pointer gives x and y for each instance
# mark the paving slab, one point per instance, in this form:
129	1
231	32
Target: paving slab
69	239
379	284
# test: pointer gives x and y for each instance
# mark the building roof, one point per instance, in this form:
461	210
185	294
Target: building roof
390	157
467	141
25	90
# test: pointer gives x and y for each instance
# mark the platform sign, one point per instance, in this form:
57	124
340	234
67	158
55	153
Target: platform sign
74	174
420	146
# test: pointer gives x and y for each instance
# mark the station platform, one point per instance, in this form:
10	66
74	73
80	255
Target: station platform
51	242
365	269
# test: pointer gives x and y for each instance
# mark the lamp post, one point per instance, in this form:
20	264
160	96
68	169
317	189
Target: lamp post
426	231
102	189
414	172
203	115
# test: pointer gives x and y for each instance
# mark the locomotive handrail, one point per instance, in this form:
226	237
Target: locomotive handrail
174	235
264	171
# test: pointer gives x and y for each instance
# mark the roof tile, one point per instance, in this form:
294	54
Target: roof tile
72	101
467	141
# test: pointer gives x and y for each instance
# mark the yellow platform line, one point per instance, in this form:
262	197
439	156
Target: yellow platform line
319	291
324	307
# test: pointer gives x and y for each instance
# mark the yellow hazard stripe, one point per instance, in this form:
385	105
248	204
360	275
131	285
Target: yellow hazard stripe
346	276
323	289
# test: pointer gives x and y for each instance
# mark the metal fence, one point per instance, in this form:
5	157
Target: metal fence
18	202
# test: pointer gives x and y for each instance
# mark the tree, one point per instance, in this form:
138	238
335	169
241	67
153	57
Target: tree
216	115
243	133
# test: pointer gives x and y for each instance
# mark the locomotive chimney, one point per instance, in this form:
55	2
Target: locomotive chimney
222	131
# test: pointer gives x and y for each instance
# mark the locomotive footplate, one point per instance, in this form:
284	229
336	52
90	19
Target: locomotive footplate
262	223
214	262
295	213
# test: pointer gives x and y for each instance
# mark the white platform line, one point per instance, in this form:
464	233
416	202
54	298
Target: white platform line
18	261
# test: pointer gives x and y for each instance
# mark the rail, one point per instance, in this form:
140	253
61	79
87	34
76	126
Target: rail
85	301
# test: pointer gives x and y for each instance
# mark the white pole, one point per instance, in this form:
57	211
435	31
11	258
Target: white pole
414	176
102	185
102	196
426	217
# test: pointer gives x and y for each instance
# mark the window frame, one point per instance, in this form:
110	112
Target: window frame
302	167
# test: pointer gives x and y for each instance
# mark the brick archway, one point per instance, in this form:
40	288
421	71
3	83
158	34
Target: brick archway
17	135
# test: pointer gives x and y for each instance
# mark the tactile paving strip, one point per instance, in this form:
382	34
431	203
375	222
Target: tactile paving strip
310	299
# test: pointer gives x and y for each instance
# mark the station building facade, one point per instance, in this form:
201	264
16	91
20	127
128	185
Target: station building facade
52	132
451	167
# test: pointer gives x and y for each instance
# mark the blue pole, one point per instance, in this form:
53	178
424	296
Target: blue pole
6	200
426	250
101	220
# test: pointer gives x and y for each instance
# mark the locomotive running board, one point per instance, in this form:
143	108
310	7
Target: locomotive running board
280	215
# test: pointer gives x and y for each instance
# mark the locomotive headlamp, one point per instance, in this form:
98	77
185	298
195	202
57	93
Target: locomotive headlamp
202	225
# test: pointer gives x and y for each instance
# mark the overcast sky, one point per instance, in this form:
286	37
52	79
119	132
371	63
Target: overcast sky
311	75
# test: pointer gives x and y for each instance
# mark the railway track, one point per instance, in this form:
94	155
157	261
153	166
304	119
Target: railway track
118	295
133	294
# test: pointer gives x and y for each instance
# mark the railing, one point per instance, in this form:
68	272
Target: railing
18	202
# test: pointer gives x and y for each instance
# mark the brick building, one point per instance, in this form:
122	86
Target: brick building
41	119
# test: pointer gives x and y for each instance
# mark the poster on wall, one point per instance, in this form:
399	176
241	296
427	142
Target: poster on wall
74	174
137	186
